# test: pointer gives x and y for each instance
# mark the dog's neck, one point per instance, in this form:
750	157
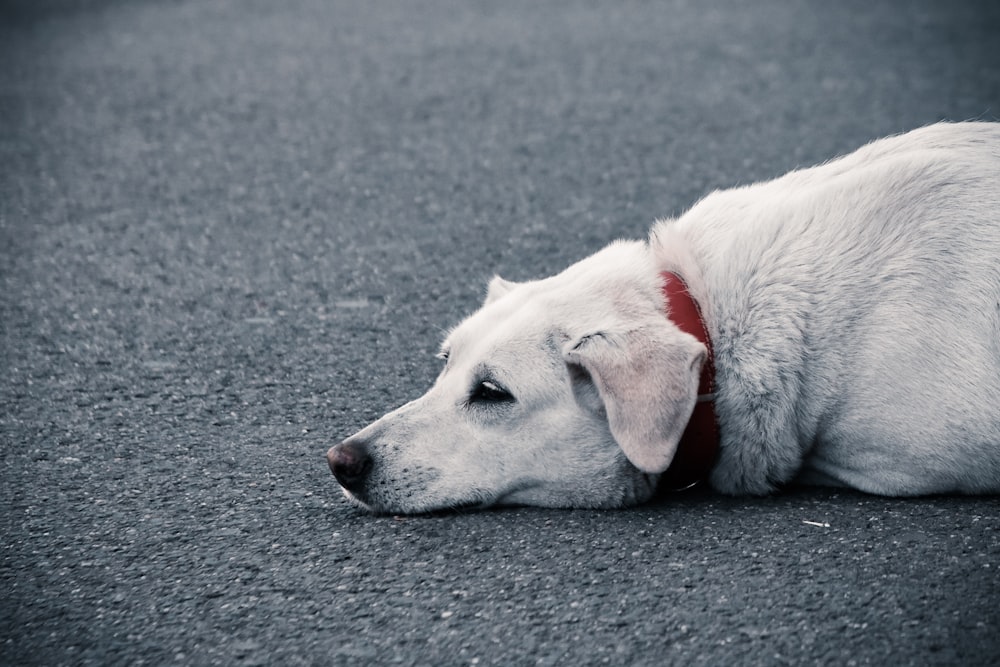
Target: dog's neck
699	445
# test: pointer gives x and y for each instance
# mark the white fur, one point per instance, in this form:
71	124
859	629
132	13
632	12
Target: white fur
854	309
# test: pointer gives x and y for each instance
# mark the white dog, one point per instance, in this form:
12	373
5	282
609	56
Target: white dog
839	325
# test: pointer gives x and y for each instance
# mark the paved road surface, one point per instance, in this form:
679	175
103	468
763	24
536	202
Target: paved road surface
232	232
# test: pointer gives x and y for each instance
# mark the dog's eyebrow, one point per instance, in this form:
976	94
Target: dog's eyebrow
484	371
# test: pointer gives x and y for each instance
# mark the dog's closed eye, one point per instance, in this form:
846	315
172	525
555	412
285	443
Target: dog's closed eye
489	392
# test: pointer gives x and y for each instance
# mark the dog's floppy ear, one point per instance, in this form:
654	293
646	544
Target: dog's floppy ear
497	288
647	378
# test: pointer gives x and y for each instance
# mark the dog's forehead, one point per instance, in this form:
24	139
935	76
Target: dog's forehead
520	320
615	281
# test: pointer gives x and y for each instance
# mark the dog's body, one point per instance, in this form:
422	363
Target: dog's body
854	310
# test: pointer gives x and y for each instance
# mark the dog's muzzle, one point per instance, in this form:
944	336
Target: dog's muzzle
350	463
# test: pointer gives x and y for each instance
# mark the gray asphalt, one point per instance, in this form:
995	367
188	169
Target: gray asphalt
231	233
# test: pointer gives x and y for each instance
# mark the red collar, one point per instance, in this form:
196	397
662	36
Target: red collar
699	445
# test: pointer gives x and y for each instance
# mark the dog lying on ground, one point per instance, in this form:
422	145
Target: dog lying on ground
839	325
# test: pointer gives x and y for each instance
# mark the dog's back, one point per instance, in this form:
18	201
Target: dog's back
856	309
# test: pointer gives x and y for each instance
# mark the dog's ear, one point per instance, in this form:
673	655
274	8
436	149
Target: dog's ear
497	288
647	378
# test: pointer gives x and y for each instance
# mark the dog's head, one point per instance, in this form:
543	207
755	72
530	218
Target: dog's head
567	392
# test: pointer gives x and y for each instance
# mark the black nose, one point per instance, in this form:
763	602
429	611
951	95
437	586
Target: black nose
350	464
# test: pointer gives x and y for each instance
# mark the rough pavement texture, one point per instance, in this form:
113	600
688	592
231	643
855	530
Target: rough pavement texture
231	233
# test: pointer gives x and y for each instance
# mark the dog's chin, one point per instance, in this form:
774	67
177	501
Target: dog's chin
524	494
480	502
